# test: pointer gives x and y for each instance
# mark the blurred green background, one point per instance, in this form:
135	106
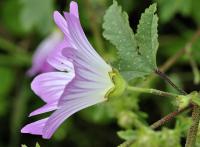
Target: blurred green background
25	23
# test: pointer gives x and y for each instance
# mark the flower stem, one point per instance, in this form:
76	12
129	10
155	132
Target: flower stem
166	78
192	133
172	60
9	46
193	64
168	117
151	91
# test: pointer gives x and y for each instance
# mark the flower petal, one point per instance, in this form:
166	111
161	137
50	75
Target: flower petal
80	42
69	108
42	52
50	86
46	108
61	22
35	128
58	61
74	9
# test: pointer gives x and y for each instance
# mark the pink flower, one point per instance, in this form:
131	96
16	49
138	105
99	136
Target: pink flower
45	48
83	77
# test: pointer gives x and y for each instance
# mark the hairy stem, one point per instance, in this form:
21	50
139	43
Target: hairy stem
168	117
151	91
192	133
166	78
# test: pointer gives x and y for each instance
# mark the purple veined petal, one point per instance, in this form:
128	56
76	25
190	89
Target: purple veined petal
50	86
81	63
58	61
90	90
83	94
35	128
61	22
69	108
39	63
74	9
77	34
81	42
46	108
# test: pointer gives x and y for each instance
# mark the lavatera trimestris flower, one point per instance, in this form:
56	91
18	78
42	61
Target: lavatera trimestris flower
83	78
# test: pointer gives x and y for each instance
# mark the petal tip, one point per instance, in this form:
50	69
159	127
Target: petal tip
25	129
74	8
56	13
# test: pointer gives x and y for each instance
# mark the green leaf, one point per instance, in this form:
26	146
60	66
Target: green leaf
127	134
134	59
37	14
23	145
147	36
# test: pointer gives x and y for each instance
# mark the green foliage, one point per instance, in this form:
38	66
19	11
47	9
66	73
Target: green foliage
36	145
12	8
185	100
147	36
98	114
37	14
135	50
7	81
28	15
140	137
195	97
169	8
63	130
183	123
24	22
127	134
128	119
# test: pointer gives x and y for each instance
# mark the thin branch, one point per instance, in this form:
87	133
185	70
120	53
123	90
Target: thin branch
179	53
166	78
168	117
193	64
172	60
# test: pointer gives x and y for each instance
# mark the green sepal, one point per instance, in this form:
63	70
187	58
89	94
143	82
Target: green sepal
184	100
119	85
195	98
